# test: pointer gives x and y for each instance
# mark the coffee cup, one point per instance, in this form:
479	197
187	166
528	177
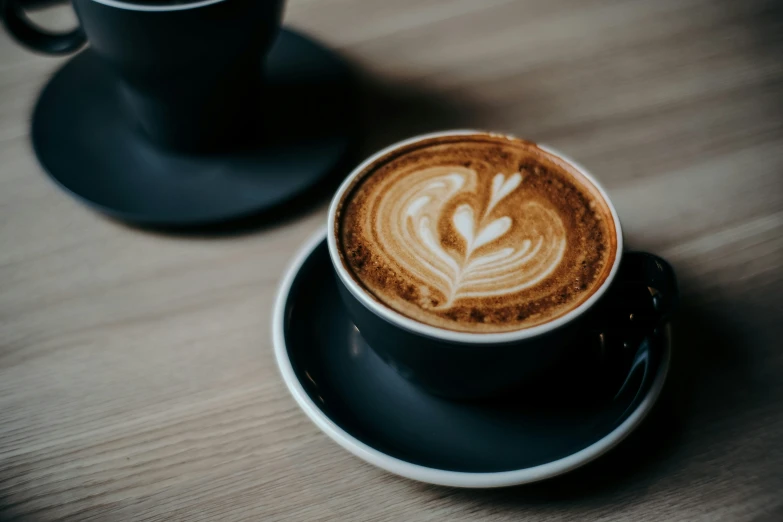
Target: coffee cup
189	72
474	263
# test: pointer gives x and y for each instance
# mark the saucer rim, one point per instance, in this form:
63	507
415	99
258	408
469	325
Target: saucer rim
460	479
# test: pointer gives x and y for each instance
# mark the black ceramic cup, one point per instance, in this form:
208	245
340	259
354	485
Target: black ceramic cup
639	294
190	72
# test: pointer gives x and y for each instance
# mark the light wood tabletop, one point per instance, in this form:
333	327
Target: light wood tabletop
137	379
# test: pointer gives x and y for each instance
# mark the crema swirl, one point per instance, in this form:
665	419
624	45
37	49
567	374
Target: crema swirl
476	233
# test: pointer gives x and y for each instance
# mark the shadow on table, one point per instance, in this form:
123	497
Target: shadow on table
10	514
387	112
393	111
16	518
702	346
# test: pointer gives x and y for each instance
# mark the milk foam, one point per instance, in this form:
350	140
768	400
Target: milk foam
476	233
406	228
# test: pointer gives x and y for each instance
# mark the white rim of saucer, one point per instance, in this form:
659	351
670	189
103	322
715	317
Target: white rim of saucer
433	332
132	6
431	475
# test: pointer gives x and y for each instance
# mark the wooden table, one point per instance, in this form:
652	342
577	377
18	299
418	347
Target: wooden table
137	380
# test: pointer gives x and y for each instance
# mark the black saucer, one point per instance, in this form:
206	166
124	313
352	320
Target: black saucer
365	406
86	144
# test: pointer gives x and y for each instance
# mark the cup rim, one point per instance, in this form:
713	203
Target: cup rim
442	334
132	6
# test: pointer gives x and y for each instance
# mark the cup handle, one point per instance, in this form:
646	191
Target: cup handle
642	298
651	276
30	35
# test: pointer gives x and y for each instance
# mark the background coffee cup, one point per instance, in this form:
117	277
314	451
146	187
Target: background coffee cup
474	365
190	73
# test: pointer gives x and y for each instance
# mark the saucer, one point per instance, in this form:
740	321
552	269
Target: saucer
370	410
87	145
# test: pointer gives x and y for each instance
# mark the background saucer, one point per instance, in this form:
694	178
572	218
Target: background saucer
86	144
365	406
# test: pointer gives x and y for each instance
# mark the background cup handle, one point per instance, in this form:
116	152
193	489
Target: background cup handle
30	35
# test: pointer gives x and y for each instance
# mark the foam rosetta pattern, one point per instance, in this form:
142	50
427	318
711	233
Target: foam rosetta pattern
476	233
491	252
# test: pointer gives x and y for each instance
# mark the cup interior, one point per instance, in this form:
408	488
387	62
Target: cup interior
582	176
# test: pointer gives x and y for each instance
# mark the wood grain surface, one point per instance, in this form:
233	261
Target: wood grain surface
137	380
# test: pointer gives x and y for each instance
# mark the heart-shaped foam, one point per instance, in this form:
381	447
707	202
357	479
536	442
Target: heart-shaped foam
462	240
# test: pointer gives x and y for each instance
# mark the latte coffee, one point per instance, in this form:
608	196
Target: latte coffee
476	233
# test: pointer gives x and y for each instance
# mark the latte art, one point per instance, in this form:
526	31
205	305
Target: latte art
476	233
482	265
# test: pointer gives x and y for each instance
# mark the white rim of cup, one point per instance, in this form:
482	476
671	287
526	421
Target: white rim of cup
434	332
441	477
159	8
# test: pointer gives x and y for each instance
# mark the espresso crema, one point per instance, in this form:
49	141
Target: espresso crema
476	233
